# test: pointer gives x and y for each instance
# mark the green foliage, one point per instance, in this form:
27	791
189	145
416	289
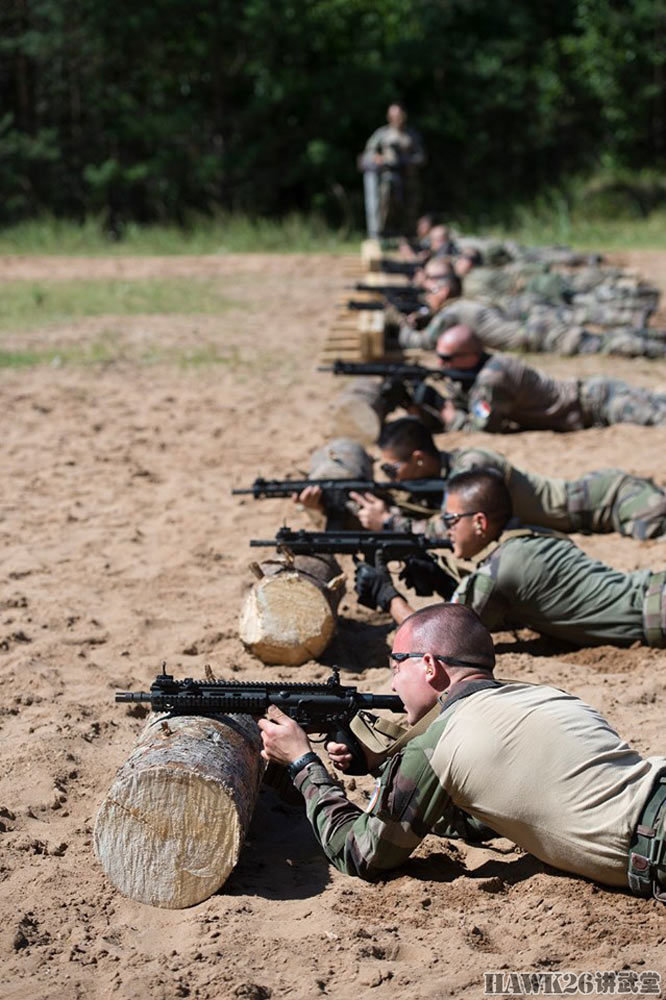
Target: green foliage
142	112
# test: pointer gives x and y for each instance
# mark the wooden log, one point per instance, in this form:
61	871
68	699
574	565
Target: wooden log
289	615
371	322
341	354
170	830
341	458
359	411
371	254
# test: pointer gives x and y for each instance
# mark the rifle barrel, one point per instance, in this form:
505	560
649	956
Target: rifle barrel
278	488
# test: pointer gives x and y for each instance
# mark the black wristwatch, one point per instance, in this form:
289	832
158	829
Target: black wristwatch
297	765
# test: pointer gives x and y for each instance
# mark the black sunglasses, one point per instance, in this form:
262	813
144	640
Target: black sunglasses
451	519
452	661
390	469
450	357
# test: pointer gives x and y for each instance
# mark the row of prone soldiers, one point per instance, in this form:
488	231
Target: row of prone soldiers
515	298
497	392
485	757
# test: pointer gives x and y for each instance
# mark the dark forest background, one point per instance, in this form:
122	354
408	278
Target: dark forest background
153	111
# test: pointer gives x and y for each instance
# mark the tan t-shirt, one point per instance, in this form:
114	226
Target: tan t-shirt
547	771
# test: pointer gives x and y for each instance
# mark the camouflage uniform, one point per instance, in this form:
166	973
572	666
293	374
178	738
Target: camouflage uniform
599	502
612	288
398	177
496	252
508	395
608	284
526	762
535	579
521	323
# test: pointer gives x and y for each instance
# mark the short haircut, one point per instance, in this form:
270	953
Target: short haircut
405	436
484	490
453	630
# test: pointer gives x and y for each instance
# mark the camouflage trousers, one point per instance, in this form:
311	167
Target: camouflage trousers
603	314
565	330
625	342
654	610
522	324
399	195
612	500
606	401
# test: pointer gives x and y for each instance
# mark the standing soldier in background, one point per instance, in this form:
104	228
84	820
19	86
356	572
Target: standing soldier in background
390	163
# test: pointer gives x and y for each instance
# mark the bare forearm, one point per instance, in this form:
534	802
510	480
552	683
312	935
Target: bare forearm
400	609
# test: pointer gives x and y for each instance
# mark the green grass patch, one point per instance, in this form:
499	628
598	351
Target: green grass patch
31	304
218	235
576	229
105	352
581	218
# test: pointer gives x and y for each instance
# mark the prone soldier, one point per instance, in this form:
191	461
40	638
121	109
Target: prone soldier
599	502
521	323
517	576
487	758
507	395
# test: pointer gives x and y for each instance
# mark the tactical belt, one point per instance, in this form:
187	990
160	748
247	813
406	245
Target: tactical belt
646	871
654	610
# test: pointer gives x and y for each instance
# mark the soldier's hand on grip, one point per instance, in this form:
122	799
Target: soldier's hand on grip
373	585
425	577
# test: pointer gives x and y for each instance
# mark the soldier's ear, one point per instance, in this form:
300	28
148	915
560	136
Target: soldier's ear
436	673
480	523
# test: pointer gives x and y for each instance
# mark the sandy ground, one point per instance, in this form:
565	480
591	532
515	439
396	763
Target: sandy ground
121	546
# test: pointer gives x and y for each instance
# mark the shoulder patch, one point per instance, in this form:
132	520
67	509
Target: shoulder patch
481	409
374	797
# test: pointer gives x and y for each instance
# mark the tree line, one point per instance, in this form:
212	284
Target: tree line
152	111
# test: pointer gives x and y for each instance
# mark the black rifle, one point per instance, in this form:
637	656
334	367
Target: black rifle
401	303
408	290
355	306
400	373
428	495
318	708
390	545
333	489
389	266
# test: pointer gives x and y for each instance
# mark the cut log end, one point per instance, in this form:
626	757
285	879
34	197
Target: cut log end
167	839
170	830
286	619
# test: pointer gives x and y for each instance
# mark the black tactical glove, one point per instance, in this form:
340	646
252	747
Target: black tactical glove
430	405
394	393
425	577
373	585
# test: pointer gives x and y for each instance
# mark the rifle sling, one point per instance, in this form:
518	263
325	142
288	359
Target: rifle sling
416	730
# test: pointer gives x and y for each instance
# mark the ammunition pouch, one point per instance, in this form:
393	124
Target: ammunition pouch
375	734
384	739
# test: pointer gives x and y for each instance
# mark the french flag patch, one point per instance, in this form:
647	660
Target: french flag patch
481	410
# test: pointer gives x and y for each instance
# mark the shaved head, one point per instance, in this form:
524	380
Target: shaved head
439	267
452	630
459	339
